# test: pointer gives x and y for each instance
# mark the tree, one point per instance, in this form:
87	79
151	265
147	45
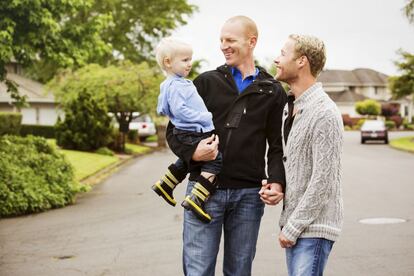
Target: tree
195	69
139	24
134	29
409	11
403	85
125	89
43	30
46	36
368	107
87	125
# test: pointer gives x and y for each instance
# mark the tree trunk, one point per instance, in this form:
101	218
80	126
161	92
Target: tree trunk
161	130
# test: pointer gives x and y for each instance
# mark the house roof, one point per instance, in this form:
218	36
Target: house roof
33	90
356	77
346	96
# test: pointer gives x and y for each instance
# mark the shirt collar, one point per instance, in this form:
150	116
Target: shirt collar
236	73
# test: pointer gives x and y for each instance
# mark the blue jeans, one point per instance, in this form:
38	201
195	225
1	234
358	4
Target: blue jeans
308	257
237	213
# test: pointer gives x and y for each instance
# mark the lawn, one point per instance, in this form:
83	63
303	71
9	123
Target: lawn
87	163
405	143
137	149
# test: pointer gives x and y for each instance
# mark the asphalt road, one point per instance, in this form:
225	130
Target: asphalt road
123	228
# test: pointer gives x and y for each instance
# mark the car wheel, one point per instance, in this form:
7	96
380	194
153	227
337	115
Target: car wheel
362	141
386	141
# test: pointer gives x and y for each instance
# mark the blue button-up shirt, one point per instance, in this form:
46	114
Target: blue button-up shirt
240	82
180	101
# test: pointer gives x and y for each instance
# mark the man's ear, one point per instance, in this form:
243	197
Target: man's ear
302	61
252	41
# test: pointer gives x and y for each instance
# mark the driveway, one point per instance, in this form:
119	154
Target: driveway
123	228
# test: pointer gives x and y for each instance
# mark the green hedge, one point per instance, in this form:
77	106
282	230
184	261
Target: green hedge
33	176
390	124
10	123
37	130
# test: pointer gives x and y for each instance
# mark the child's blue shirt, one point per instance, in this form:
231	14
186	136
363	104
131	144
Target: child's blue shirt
180	101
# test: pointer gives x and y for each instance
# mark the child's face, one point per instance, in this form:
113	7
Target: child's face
181	63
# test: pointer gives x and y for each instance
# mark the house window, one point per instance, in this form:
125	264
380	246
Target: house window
405	110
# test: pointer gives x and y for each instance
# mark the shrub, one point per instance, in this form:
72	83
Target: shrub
152	138
396	119
409	127
405	122
10	123
358	124
132	135
105	151
38	130
388	109
390	124
33	176
87	125
368	107
347	120
116	140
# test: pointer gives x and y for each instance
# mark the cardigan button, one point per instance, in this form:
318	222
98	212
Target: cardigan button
284	158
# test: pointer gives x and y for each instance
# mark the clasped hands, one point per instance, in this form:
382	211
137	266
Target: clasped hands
270	193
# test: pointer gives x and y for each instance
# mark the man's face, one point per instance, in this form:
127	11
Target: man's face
286	63
234	44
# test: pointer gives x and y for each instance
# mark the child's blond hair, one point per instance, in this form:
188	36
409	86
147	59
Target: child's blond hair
168	48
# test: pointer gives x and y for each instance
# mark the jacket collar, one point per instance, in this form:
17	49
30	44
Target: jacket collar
226	69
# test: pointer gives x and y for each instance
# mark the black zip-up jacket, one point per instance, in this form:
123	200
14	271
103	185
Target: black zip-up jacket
243	122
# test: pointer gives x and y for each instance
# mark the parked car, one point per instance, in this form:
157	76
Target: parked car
374	130
144	125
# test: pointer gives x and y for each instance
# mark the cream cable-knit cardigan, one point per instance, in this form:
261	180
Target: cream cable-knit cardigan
313	198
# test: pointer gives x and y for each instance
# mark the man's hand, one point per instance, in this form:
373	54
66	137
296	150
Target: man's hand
207	149
284	242
271	193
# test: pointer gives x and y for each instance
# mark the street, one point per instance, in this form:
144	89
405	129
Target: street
122	227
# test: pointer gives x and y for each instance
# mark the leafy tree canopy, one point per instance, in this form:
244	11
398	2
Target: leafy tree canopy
69	34
403	85
44	30
409	11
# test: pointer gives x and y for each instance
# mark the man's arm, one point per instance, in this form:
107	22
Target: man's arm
326	152
275	165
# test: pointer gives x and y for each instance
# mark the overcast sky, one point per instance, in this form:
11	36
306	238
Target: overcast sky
357	33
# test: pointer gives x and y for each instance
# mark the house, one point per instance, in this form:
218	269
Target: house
42	109
346	87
